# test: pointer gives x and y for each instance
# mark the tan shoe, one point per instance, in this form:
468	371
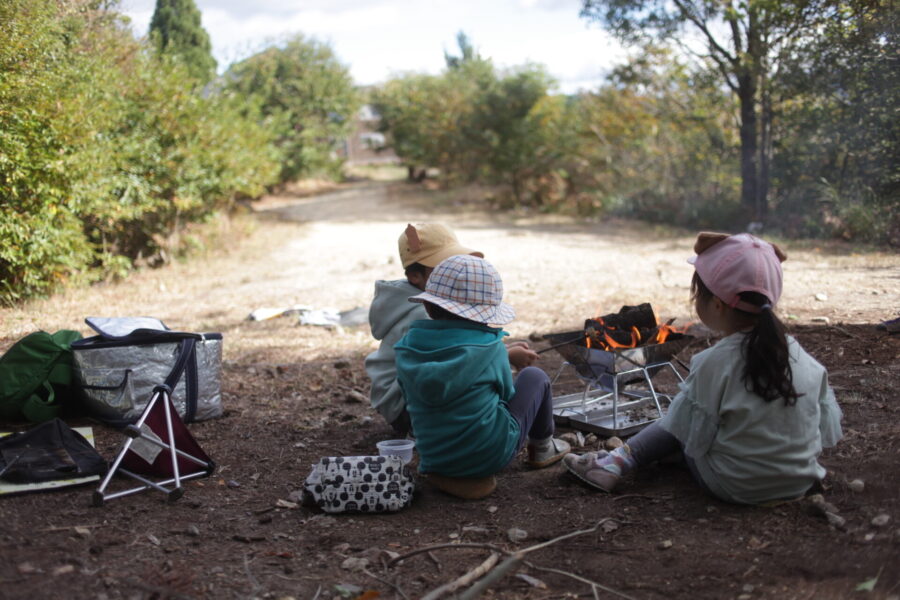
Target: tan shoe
546	452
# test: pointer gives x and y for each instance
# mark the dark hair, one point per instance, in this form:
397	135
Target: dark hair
438	313
767	371
417	268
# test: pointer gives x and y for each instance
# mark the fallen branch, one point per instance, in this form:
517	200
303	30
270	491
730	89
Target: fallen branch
495	575
412	553
518	558
465	579
594	585
387	583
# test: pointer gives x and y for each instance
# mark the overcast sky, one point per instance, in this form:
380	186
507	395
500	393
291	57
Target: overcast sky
379	38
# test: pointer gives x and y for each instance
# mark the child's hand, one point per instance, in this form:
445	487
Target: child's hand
520	355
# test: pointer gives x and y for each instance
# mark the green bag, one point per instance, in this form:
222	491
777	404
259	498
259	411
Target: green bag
36	375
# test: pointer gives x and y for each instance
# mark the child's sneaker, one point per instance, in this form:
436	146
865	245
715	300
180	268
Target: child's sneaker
543	453
600	470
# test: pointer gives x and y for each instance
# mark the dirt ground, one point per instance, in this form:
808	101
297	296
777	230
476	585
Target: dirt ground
292	394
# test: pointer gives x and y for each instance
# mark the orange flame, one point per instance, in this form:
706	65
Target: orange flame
607	342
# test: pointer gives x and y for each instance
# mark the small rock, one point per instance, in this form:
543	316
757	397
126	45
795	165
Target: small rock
590	440
609	526
453	535
26	568
83	531
516	535
355	564
820	505
340	548
825	320
63	570
354	396
881	520
492	509
232	483
857	485
613	443
281	503
821	296
665	545
869	537
570	438
193	531
153	539
836	521
748	588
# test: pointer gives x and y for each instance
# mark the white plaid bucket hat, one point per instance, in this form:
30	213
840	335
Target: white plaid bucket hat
469	287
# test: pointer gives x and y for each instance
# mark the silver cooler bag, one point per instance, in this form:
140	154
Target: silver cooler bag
118	369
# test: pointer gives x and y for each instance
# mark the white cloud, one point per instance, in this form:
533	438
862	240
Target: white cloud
377	38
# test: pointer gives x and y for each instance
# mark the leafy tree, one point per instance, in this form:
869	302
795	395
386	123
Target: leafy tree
839	173
306	96
655	142
747	42
176	30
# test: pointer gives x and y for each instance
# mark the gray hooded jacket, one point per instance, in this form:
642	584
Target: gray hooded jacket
389	317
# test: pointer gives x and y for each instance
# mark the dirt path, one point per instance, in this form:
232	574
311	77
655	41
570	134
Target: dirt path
327	250
293	394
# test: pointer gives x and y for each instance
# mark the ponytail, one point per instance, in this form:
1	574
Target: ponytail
767	372
767	369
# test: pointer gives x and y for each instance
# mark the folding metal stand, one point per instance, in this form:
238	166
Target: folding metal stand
139	432
602	410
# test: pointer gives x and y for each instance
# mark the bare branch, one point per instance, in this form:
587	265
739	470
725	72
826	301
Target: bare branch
594	585
713	42
411	553
465	579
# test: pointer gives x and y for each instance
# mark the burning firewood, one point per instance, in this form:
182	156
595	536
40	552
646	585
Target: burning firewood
631	327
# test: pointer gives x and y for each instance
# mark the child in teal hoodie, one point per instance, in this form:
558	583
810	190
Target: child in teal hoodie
470	418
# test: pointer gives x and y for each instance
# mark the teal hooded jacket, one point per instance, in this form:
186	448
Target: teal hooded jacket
456	379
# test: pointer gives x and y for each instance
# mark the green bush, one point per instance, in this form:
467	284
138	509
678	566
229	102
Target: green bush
107	151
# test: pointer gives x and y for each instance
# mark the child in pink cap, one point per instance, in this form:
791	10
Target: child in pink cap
756	410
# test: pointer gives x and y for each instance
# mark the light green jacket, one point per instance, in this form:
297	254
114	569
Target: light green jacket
748	450
389	317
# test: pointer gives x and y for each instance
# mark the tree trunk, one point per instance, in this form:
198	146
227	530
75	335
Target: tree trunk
749	145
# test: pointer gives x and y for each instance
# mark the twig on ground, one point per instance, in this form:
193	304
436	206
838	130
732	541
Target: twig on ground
518	558
412	553
250	577
68	527
318	591
641	496
465	579
436	562
594	585
495	575
387	583
844	331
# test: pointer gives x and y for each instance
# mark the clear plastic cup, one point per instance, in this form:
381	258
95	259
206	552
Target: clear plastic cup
401	448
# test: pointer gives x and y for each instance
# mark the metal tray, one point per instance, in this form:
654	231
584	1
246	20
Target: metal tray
594	412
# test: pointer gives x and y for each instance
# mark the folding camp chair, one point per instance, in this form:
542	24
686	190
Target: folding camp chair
158	445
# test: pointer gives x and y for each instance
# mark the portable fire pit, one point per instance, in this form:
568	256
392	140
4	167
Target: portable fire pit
616	358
